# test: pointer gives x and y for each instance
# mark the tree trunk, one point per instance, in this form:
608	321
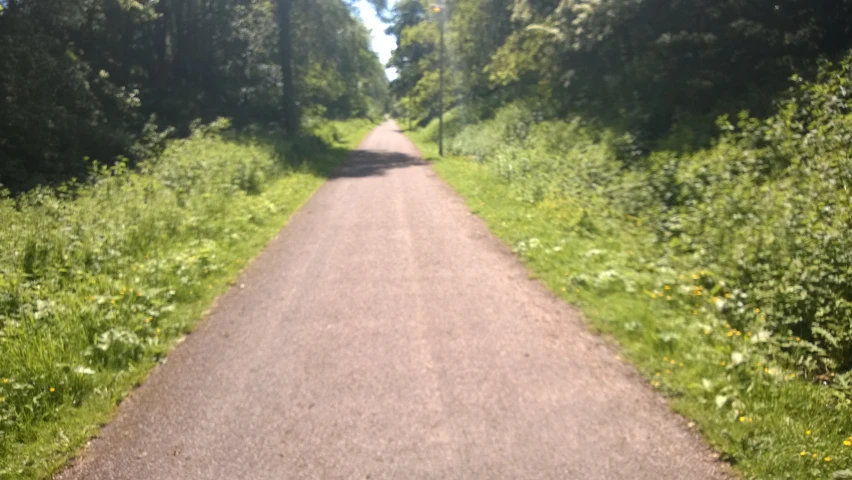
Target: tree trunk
285	51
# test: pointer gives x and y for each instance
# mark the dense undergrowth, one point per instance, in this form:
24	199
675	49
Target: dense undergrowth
726	273
98	281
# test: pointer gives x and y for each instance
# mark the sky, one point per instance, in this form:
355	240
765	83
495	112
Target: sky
382	44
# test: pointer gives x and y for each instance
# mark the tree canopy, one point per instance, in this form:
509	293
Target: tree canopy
642	65
99	78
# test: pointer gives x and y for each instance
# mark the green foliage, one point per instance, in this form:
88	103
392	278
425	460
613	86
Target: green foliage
732	262
83	79
97	281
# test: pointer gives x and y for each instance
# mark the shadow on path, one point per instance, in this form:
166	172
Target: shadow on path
369	163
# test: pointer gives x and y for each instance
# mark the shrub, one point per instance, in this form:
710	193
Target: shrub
765	213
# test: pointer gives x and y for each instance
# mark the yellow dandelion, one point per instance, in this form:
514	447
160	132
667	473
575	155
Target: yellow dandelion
668	372
798	339
706	331
667	287
5	380
827	459
672	362
756	310
749	419
808	432
847	443
724	363
681	364
731	334
814	455
742	419
52	389
158	330
564	289
727	295
665	359
803	453
792	375
2	399
695	276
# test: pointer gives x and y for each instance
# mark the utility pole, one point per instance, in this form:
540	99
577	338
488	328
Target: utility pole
440	11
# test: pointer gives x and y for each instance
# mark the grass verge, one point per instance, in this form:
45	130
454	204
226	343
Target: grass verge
762	418
99	282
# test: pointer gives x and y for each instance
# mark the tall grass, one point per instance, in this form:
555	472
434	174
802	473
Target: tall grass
98	280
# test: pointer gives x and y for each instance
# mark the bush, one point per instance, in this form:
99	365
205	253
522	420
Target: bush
765	213
91	274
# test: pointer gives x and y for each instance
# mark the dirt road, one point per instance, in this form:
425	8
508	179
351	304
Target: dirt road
386	334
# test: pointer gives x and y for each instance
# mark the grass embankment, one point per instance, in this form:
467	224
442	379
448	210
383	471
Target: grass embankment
697	339
98	284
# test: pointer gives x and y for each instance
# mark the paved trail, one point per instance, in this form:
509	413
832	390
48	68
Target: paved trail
386	334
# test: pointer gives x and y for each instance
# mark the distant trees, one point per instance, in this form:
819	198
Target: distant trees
83	78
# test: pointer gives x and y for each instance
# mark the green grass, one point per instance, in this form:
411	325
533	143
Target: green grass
755	412
99	283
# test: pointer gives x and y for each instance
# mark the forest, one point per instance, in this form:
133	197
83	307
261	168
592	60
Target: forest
681	171
102	79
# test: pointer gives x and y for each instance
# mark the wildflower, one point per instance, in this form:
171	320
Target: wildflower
5	380
672	362
665	359
724	363
749	419
727	295
148	320
564	289
756	310
706	331
847	443
803	453
798	339
681	364
827	459
667	287
792	375
731	334
695	276
808	432
2	399
668	372
52	389
814	455
158	330
742	419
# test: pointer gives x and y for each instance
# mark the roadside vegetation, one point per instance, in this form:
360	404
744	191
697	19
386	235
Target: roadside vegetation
100	280
148	150
698	212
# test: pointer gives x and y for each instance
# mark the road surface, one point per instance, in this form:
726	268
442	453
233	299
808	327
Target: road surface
385	334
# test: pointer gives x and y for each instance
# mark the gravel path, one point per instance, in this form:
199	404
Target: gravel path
386	334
